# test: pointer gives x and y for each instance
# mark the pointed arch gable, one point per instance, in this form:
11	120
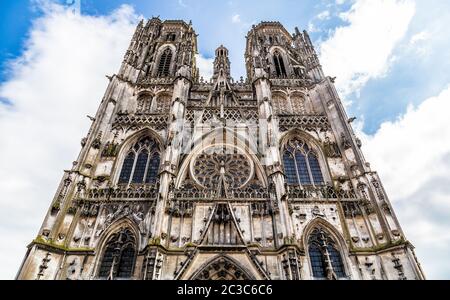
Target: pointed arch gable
124	222
222	267
116	227
336	237
295	132
322	223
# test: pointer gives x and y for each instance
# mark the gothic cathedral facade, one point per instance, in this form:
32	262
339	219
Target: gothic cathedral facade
185	178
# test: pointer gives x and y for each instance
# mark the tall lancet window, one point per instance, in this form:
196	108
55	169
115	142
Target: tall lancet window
141	164
164	63
326	261
301	164
280	68
119	256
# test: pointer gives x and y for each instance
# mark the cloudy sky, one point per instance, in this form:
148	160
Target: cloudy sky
390	57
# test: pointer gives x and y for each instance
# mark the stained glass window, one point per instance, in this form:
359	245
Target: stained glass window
315	169
142	163
139	169
322	253
289	168
302	168
127	168
126	263
107	262
119	256
317	263
301	165
152	171
336	261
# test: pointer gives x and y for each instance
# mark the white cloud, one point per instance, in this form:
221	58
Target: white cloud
420	44
205	66
412	156
324	15
419	37
58	80
361	50
236	18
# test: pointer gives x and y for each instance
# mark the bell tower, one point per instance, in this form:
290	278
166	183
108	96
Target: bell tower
221	64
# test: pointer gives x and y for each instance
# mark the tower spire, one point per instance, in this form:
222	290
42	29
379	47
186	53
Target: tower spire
221	64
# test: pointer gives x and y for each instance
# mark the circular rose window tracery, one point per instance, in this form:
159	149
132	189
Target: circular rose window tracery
217	162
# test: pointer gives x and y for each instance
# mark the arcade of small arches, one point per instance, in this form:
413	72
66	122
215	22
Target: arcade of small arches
153	104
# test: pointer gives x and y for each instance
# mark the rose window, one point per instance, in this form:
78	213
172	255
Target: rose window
211	166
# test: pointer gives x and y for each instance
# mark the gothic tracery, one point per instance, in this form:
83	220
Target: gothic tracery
216	163
119	256
301	164
141	164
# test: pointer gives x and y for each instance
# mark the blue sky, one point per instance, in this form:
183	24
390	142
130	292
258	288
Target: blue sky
390	57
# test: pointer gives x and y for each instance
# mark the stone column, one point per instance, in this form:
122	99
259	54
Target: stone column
269	146
171	156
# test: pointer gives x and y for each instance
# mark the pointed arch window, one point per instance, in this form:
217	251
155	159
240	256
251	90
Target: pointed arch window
164	63
326	261
141	164
301	165
280	68
119	256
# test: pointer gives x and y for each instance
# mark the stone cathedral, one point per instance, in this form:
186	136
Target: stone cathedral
181	177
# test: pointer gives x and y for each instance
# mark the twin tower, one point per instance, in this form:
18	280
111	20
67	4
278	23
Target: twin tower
185	178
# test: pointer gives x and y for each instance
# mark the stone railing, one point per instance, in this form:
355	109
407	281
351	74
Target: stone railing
319	193
124	192
290	82
157	121
231	194
305	122
162	80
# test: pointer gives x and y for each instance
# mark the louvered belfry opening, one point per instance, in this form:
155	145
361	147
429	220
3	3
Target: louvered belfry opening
164	63
279	65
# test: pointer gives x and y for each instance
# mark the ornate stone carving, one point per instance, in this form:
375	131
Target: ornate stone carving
180	209
304	122
320	192
222	268
399	267
331	149
346	143
234	168
111	149
44	265
351	209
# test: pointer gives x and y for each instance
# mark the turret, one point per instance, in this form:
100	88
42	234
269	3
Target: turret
221	64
